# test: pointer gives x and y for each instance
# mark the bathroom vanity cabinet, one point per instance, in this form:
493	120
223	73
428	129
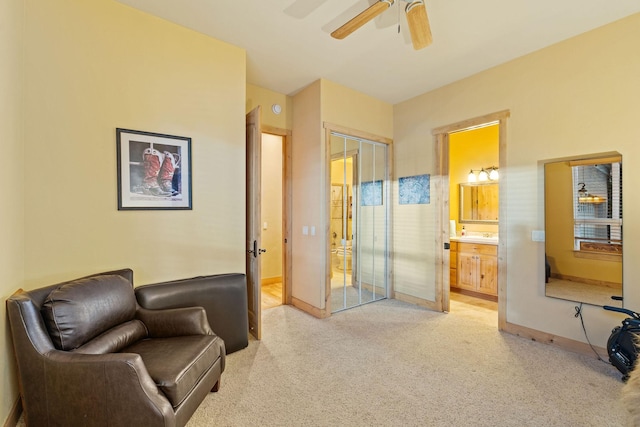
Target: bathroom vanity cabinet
476	268
453	265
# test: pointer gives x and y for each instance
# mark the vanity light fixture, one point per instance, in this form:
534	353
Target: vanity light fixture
484	175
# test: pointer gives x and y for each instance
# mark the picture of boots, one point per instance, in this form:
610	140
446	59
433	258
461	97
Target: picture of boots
154	170
152	161
167	169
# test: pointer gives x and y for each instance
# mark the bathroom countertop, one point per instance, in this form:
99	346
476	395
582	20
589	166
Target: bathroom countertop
475	239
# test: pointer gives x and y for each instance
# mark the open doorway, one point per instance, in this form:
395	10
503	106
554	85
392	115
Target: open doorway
471	259
271	220
474	198
255	225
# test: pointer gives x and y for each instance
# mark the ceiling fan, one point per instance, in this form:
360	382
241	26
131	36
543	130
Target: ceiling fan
416	18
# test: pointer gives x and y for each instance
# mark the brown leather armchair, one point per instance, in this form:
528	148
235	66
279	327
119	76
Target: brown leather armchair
88	354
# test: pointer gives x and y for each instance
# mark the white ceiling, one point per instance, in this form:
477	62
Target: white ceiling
288	43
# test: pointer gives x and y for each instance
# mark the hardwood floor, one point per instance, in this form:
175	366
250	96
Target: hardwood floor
467	299
271	295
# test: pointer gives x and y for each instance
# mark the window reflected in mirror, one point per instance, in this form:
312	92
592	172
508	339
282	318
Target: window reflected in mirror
583	229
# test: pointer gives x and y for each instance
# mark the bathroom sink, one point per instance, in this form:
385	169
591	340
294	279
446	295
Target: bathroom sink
488	240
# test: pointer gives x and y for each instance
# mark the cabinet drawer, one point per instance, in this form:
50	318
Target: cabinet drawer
476	248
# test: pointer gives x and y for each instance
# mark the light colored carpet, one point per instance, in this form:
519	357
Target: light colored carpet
394	364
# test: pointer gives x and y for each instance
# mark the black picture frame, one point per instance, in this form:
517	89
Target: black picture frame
154	171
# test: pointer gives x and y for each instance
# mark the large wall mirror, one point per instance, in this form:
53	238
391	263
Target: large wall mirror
583	229
479	203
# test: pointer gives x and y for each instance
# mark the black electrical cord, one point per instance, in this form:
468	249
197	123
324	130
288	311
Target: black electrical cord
579	314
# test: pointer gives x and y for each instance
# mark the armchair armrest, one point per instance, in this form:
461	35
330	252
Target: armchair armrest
174	322
104	389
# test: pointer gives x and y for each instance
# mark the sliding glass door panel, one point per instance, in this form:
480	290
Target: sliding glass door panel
359	222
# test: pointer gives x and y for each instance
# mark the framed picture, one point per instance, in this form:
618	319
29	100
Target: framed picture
154	170
415	190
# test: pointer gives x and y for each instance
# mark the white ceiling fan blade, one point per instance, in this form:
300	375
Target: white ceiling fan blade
302	8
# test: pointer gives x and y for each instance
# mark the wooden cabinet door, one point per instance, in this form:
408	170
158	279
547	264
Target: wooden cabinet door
453	265
466	271
487	274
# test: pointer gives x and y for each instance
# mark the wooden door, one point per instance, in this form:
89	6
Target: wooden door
253	233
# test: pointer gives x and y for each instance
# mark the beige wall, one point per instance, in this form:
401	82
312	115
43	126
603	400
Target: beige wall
11	174
258	96
349	108
576	97
92	67
307	254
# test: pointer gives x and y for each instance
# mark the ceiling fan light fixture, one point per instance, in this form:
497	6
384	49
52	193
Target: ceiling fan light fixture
362	18
418	24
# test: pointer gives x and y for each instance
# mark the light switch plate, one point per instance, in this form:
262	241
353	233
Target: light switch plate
537	235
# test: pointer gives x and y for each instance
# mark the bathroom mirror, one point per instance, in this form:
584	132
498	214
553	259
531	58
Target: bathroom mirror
479	203
583	229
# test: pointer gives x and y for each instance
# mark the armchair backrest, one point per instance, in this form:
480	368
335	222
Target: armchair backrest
80	310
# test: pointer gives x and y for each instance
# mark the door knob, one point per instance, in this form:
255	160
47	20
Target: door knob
254	251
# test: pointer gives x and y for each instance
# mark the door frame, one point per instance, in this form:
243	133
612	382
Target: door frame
441	186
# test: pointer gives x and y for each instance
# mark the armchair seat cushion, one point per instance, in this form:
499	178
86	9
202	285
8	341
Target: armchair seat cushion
177	364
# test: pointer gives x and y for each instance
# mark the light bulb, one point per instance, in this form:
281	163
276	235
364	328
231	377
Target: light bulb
494	175
483	175
471	177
